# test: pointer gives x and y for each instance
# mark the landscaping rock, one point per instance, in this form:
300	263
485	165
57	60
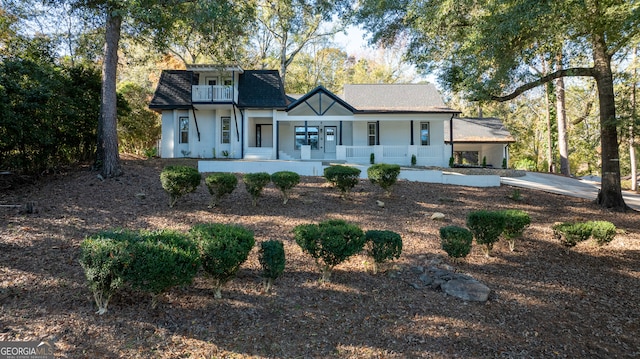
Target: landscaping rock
470	290
437	216
444	277
380	204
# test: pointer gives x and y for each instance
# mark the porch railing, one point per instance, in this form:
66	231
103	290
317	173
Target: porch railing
425	155
207	93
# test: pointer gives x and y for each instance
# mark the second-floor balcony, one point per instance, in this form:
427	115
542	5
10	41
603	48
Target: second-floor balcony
208	93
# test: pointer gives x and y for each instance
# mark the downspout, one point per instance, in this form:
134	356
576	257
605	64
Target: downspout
242	137
235	118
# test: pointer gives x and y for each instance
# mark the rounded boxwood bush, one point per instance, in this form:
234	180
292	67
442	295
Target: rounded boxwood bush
285	181
456	241
104	258
255	183
272	260
178	181
384	175
383	246
342	177
329	243
223	249
486	226
220	184
515	222
161	260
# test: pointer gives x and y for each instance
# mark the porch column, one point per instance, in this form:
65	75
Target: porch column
411	132
378	133
340	133
277	126
306	133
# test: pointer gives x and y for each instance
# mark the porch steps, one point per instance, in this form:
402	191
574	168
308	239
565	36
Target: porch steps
283	156
258	153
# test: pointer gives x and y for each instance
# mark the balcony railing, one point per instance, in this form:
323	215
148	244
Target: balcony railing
207	93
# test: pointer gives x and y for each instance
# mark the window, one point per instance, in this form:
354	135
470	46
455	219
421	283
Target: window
372	133
424	134
183	123
228	82
226	129
308	137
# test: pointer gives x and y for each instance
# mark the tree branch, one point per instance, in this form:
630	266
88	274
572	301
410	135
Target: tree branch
578	71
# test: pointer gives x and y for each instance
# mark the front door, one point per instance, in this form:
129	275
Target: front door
330	134
264	135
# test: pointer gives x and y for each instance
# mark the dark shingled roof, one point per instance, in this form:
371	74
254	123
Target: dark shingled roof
261	89
174	90
395	98
478	130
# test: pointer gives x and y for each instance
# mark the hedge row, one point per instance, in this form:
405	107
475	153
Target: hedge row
486	227
156	261
180	180
570	233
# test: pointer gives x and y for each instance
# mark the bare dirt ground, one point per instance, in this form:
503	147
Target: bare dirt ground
546	301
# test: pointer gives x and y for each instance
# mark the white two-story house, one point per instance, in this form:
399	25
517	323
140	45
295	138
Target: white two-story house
227	112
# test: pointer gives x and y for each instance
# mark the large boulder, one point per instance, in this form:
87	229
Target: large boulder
466	289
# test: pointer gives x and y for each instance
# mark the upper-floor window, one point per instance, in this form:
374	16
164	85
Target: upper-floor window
226	130
372	132
183	124
228	82
425	139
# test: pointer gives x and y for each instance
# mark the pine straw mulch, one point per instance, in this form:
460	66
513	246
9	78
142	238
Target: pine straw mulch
546	301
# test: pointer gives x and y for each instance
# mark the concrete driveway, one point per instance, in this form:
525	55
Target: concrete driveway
566	186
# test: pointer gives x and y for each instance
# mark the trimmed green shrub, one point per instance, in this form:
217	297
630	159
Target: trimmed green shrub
382	246
456	241
255	183
372	158
384	175
515	222
602	231
104	258
329	243
161	260
414	160
342	177
569	234
486	226
484	161
272	260
285	181
220	184
504	163
223	249
178	181
451	162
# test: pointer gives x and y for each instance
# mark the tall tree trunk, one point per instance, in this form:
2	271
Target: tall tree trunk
549	130
561	114
610	195
634	114
108	133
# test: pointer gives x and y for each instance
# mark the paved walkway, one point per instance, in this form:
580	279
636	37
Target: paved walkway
566	186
